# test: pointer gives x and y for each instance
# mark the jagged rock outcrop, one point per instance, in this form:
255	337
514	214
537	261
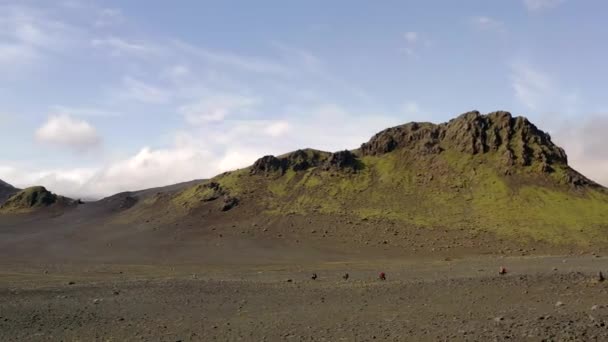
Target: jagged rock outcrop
299	160
521	141
517	140
423	137
304	159
341	161
268	165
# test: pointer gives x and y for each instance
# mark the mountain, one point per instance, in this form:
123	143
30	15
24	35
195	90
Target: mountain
6	191
475	184
493	173
34	198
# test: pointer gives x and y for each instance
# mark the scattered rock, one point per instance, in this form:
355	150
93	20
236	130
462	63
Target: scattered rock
229	203
559	304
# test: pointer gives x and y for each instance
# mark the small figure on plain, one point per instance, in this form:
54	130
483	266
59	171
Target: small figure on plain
314	276
382	276
600	276
345	276
502	270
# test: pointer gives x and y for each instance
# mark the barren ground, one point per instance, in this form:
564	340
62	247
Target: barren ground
541	298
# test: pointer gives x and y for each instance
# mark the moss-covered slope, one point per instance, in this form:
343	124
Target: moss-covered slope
491	172
31	199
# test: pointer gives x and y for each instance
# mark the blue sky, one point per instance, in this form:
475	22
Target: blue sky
98	97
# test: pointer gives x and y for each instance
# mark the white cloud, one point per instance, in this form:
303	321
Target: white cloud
535	5
109	17
143	92
214	108
245	63
584	141
63	130
177	72
411	108
411	37
539	91
12	55
278	128
83	111
28	35
532	87
118	46
488	23
414	41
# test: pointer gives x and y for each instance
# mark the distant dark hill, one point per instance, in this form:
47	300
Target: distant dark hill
6	191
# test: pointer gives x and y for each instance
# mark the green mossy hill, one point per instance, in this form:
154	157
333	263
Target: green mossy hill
491	173
30	199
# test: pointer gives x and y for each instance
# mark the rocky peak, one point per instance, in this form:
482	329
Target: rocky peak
517	139
341	161
268	165
520	141
413	135
297	161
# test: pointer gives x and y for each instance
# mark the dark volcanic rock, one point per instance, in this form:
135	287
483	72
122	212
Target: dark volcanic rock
518	141
304	159
215	192
268	165
522	142
229	203
343	160
423	137
515	142
297	161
